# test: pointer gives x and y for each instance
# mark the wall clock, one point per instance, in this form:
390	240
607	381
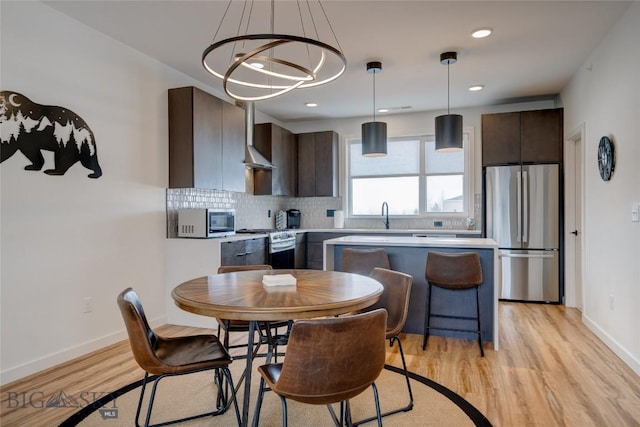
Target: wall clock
606	158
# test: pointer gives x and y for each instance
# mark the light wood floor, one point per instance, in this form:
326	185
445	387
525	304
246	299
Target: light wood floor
550	371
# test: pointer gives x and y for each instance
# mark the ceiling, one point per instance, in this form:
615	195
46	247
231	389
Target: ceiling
534	50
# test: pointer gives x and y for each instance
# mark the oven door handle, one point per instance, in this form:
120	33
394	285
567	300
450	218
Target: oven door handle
284	246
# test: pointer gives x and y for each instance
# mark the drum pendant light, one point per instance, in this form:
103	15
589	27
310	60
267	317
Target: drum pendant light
449	126
374	134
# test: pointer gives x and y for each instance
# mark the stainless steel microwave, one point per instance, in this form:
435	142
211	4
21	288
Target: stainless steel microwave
206	223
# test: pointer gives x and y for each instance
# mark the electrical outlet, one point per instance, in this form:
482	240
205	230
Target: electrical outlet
87	305
610	301
269	213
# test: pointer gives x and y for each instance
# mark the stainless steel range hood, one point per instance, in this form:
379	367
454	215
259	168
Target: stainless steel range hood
253	158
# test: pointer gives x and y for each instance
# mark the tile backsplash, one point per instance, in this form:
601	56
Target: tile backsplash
259	211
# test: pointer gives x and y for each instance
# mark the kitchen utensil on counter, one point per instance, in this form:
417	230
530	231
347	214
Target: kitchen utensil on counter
281	220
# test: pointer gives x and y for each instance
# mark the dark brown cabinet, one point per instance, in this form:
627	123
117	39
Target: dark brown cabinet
541	137
500	139
318	164
206	141
300	253
278	145
233	147
315	248
522	137
244	252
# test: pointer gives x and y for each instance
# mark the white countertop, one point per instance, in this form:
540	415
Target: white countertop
391	231
364	231
459	242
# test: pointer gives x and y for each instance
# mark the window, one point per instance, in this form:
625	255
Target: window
413	178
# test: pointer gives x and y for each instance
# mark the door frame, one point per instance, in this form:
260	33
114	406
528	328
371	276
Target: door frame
574	181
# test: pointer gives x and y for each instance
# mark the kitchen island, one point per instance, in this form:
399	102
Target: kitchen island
409	255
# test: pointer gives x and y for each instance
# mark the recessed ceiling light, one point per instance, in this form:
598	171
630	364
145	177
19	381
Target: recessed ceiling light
383	110
481	33
311	104
476	88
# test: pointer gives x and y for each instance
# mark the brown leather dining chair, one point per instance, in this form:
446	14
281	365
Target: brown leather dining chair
346	355
161	357
394	299
363	261
268	331
454	272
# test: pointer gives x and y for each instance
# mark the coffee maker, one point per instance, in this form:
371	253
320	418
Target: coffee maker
293	218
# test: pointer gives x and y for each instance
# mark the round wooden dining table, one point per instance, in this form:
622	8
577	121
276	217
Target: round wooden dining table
243	296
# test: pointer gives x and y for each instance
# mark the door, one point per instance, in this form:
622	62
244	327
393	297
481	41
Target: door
256	251
500	139
540	198
574	213
530	275
503	201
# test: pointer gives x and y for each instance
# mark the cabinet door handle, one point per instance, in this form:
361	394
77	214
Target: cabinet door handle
248	253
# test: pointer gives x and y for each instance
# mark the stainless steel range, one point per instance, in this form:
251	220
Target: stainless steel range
282	244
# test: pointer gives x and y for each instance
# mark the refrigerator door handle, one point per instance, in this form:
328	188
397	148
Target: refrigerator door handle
525	207
519	205
502	255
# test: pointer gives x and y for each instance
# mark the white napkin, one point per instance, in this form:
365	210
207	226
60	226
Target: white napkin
279	280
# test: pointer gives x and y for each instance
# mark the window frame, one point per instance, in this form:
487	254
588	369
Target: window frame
423	137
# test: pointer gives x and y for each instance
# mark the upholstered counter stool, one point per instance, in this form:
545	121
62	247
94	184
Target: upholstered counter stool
363	261
456	272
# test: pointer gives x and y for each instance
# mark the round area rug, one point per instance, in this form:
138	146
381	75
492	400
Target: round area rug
185	395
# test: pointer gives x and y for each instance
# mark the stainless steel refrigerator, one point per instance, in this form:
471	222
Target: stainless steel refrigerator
523	216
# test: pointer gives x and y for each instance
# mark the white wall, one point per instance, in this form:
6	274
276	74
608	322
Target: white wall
604	95
67	237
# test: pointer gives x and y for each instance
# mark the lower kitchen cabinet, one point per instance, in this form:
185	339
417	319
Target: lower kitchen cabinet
244	252
315	245
315	249
300	253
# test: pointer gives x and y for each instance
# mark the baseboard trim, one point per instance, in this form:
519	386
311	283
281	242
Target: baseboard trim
614	345
34	366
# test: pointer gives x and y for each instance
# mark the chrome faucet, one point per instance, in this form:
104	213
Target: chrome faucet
385	214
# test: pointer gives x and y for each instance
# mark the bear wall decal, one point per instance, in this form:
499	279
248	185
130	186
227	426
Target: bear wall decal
30	128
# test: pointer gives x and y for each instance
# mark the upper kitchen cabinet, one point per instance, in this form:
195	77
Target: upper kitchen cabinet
522	137
278	145
500	139
206	141
541	138
233	148
318	164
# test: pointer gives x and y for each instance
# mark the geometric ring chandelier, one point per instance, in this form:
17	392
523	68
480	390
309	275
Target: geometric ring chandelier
258	66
